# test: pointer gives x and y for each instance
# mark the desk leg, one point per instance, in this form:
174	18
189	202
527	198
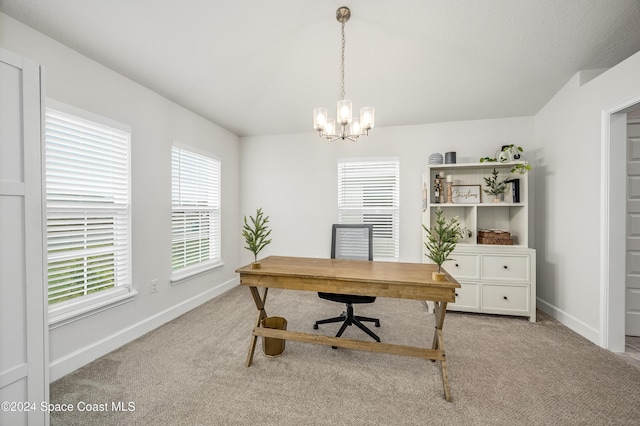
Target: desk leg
438	344
262	314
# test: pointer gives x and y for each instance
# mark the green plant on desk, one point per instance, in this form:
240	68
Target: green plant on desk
256	233
441	240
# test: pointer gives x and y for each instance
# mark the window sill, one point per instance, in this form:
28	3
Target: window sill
193	271
74	310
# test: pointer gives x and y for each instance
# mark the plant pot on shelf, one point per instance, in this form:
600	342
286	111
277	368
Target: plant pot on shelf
256	265
438	276
498	198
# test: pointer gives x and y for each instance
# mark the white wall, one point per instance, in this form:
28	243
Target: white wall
294	177
155	121
570	137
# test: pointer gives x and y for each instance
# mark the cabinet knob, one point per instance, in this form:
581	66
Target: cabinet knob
456	294
504	297
457	265
505	267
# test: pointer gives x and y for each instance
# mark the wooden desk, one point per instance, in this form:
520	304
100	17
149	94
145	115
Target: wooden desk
383	279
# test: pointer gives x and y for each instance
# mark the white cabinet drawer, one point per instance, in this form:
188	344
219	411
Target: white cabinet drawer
463	266
505	298
467	296
506	267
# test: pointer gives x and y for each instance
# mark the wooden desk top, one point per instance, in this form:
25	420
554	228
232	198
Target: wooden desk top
384	279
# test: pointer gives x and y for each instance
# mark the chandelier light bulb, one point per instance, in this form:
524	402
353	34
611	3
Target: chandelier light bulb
330	127
319	118
355	127
367	117
344	111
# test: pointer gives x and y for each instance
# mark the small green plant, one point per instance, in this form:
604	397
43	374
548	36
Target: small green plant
495	186
508	153
442	238
256	233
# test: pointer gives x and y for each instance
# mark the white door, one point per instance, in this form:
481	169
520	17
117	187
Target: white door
632	293
24	359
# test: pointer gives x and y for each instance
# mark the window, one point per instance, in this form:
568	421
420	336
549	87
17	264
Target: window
87	202
195	216
368	192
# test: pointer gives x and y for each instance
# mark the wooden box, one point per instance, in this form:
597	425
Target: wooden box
496	237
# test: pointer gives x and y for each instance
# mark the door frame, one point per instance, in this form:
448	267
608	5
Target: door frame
613	171
35	370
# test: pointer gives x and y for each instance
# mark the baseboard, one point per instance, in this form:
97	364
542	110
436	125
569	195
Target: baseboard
583	329
71	362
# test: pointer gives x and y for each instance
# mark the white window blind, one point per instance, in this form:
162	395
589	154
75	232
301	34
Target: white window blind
87	198
195	225
368	192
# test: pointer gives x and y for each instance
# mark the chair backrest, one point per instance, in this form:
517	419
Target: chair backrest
352	241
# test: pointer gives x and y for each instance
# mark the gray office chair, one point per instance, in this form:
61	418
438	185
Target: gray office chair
355	242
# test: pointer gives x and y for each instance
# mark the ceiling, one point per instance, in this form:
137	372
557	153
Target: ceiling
258	67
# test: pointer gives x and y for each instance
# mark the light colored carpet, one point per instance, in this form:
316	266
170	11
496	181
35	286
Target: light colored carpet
503	371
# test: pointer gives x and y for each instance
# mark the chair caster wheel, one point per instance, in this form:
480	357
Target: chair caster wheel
315	326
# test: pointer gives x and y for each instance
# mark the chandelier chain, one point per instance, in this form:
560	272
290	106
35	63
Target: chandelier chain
344	43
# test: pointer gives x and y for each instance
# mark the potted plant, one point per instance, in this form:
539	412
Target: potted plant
255	235
441	241
510	153
496	187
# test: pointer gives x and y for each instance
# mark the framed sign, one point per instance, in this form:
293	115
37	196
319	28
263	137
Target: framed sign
465	194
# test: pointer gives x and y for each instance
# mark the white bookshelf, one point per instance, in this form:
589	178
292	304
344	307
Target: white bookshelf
496	279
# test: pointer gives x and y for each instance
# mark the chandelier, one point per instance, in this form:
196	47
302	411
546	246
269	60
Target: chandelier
345	126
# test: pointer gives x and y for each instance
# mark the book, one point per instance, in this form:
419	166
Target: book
515	189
